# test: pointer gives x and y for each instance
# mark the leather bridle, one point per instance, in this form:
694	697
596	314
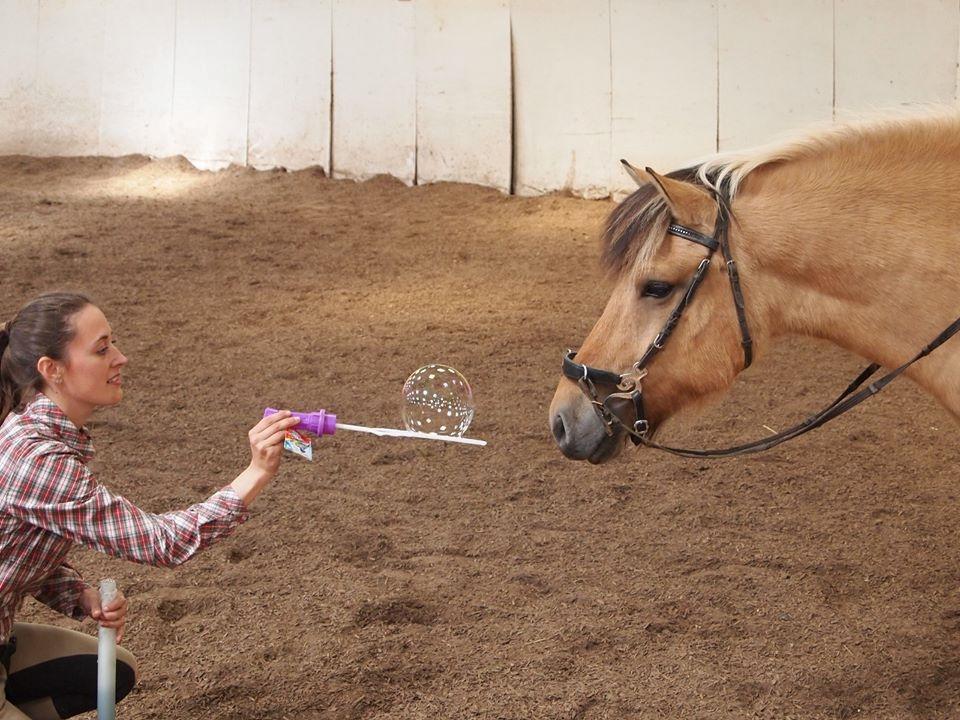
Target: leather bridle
614	409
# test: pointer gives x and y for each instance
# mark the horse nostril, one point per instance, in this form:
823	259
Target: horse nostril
559	429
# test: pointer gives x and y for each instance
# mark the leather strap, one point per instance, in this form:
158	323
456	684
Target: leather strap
692	235
847	400
658	342
575	371
745	339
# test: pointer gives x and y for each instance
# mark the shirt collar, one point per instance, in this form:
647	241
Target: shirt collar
55	424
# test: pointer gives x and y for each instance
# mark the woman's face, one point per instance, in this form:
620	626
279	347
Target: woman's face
89	375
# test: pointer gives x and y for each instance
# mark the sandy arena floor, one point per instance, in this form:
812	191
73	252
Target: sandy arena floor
403	579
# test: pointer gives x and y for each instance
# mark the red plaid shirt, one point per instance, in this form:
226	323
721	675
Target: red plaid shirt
49	500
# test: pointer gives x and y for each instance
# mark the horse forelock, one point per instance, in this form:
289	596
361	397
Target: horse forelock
636	228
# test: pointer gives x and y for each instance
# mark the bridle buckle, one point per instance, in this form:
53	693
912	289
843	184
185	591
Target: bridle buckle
631	380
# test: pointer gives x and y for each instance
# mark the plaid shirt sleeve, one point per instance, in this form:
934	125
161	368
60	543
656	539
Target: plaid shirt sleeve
56	491
61	590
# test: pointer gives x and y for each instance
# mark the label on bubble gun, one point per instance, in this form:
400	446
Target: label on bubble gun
298	444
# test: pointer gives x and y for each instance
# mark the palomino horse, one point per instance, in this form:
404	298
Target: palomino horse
851	234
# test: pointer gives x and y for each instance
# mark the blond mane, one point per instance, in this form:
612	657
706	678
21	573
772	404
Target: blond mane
635	228
901	128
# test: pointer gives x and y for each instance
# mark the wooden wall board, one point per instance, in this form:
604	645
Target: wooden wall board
290	84
374	89
463	92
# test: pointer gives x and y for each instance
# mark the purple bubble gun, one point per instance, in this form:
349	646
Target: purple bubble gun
319	423
322	423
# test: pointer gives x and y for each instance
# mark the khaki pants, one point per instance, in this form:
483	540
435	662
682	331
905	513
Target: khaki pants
52	674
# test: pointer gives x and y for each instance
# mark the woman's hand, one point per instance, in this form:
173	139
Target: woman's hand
266	441
266	447
111	615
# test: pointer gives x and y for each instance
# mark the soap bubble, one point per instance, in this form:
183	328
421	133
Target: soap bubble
437	399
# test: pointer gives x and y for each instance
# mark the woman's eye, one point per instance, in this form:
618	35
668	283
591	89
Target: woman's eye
657	289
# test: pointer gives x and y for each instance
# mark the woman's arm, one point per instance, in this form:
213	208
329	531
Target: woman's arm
62	590
54	490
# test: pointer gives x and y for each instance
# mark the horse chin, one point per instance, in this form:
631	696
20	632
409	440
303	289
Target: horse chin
608	449
612	445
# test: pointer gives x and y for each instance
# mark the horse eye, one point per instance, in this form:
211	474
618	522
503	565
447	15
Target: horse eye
657	289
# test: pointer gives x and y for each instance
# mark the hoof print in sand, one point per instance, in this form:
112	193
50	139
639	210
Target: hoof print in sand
406	611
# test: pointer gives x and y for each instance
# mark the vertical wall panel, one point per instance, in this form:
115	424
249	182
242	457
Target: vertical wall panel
896	51
138	62
463	92
664	101
18	74
211	81
69	68
374	89
776	68
424	87
562	96
290	84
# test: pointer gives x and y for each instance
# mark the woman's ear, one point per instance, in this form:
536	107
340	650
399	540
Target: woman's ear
50	370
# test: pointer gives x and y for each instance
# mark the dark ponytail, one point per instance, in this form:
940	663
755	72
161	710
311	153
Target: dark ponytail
41	328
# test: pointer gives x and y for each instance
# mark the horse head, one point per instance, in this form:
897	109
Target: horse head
657	246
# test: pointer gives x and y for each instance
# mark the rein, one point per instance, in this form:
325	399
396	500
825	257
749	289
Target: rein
614	406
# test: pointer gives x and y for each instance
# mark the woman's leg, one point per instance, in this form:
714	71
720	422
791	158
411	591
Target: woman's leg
53	672
9	711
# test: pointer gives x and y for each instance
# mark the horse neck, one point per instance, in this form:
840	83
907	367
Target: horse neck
861	254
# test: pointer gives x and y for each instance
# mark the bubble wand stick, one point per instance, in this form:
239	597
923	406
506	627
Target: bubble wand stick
107	659
322	423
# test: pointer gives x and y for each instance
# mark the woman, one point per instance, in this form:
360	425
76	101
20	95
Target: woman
58	363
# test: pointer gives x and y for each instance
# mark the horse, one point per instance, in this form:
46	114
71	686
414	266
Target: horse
848	233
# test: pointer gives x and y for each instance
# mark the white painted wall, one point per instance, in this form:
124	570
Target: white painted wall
561	51
211	81
136	101
290	46
776	68
463	92
537	95
664	105
374	86
19	30
892	52
67	89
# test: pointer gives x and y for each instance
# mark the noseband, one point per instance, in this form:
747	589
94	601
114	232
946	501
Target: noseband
615	407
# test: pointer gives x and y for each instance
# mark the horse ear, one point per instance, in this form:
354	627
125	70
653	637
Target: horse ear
689	204
636	174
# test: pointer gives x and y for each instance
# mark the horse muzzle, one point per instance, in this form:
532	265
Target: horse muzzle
579	431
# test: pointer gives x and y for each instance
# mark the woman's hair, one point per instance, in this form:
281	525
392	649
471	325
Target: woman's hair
41	328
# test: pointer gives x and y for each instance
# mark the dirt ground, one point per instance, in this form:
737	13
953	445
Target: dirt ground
405	579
